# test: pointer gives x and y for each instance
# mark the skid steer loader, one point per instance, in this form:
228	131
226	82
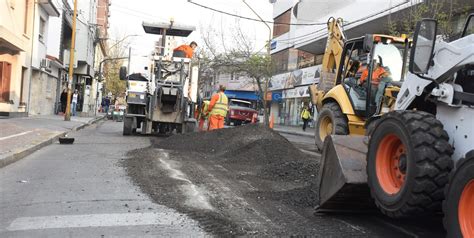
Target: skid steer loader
344	104
421	152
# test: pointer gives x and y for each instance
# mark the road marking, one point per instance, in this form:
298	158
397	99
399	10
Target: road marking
15	135
195	195
91	220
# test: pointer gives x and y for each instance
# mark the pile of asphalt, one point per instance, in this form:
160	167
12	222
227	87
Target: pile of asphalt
253	161
248	147
249	144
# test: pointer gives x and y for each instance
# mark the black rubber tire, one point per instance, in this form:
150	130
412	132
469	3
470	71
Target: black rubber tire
127	126
428	163
458	179
339	119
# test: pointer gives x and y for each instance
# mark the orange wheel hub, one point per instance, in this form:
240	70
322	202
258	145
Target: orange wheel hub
466	210
391	164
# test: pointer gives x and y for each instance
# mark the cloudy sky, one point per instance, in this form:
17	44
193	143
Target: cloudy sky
127	16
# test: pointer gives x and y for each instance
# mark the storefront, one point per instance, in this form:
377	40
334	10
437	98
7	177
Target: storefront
294	94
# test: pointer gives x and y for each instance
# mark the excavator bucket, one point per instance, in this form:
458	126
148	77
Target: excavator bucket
342	176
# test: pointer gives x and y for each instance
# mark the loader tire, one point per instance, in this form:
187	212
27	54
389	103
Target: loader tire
408	163
127	126
331	121
458	207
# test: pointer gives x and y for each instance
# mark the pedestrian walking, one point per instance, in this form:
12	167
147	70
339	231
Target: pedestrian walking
306	116
63	100
217	109
75	97
106	104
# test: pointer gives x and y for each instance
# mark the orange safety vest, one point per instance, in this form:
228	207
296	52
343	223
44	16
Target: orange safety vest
188	50
219	104
375	75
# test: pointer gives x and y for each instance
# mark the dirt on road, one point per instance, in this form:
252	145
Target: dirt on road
246	180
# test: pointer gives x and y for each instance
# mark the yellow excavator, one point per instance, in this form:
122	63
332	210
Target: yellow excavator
359	78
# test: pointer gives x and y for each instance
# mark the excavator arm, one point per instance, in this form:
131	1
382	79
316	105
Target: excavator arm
331	61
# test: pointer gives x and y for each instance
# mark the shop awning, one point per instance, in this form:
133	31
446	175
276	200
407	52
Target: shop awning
245	95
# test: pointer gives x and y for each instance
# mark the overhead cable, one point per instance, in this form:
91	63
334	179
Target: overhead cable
254	19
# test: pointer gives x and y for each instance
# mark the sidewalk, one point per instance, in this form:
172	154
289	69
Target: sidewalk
295	130
20	137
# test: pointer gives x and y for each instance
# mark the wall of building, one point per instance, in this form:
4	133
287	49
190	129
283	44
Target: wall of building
13	16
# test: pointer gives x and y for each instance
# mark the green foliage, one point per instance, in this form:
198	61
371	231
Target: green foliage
446	12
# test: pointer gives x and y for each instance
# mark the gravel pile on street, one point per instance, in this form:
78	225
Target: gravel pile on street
252	145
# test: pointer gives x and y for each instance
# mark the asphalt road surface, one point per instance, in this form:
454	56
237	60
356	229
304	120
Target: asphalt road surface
100	187
81	190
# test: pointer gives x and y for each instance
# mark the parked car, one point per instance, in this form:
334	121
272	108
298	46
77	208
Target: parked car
240	112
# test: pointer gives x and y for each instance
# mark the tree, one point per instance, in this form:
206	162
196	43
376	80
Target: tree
235	52
445	12
113	84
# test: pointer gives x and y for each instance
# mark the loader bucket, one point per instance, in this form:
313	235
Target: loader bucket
342	176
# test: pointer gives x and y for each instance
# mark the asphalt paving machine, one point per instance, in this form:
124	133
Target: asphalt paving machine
161	100
419	154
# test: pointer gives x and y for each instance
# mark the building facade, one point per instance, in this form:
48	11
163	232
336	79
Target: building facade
16	32
298	46
45	71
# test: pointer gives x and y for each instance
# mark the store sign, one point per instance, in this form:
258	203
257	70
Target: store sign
278	81
273	45
299	92
296	78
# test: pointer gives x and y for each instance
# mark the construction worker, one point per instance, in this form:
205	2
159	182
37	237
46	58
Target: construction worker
376	74
203	113
185	50
217	109
305	115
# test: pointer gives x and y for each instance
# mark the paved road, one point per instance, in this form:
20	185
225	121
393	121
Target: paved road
306	144
81	190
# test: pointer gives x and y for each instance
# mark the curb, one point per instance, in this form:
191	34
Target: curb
293	133
30	150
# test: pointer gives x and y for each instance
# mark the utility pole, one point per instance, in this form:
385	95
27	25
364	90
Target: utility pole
67	115
265	102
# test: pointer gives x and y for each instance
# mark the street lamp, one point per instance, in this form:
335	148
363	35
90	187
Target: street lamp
111	59
100	75
269	62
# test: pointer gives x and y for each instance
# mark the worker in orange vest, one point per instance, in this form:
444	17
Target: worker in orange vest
202	114
217	109
187	50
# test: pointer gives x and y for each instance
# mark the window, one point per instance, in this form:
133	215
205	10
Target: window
280	29
5	77
25	26
42	29
280	61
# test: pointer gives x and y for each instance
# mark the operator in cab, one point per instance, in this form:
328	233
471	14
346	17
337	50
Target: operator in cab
185	50
377	74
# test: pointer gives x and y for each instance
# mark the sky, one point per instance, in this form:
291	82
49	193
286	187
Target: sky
127	17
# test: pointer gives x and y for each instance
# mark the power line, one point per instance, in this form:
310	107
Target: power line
303	41
258	20
126	8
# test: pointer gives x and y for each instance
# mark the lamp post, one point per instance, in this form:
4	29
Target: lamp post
269	62
110	59
100	74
